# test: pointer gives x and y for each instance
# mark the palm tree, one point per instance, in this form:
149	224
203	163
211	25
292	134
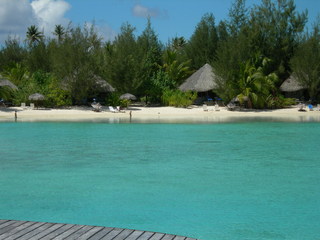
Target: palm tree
255	86
178	43
34	35
60	32
177	71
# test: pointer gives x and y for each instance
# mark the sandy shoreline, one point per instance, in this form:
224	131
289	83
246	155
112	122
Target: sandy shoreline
157	114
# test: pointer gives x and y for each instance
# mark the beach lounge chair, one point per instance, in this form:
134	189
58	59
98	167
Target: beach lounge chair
216	107
23	105
113	110
120	110
31	105
205	107
96	107
302	107
231	106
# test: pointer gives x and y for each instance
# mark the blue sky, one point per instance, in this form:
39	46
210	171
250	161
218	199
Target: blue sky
169	18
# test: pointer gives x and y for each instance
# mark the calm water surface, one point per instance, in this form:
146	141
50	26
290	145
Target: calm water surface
257	180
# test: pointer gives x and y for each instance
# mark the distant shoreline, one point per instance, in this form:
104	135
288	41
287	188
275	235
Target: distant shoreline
157	114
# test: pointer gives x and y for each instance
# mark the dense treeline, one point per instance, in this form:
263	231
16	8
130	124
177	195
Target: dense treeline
252	53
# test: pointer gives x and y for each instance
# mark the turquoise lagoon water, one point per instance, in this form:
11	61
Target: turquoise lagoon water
257	180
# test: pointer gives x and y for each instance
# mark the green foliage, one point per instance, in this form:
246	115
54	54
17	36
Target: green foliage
113	99
203	43
274	30
176	71
34	36
142	65
57	97
178	98
255	84
306	62
273	102
159	83
11	54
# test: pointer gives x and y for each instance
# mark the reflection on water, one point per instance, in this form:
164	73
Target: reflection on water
189	120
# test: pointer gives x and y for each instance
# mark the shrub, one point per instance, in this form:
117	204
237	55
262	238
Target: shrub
178	98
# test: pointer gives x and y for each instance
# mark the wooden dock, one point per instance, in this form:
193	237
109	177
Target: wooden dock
23	230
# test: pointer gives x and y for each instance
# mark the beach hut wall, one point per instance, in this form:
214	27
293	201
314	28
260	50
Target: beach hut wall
5	82
202	80
291	84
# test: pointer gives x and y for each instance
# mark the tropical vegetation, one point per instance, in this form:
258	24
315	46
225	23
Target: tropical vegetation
252	53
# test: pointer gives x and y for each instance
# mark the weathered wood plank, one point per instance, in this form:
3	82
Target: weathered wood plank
36	231
23	230
168	237
179	238
90	233
124	234
47	231
79	233
115	232
146	236
8	227
135	235
101	234
5	223
16	229
157	236
67	233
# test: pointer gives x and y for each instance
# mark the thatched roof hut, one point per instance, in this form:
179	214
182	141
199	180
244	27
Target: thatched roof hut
102	85
98	84
6	82
202	80
291	85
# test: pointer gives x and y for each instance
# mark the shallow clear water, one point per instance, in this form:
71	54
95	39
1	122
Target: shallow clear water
257	180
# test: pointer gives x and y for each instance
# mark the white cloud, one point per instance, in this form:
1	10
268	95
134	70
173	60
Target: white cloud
17	15
142	11
50	13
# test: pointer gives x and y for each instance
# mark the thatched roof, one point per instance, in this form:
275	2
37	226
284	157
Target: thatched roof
291	84
102	85
99	84
5	82
202	80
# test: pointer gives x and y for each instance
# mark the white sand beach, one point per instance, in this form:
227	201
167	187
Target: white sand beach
157	114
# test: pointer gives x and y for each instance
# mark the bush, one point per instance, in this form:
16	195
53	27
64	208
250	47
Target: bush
279	102
114	100
178	98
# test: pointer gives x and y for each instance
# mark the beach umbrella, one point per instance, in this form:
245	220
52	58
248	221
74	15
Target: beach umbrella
128	96
291	85
5	82
202	80
36	97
